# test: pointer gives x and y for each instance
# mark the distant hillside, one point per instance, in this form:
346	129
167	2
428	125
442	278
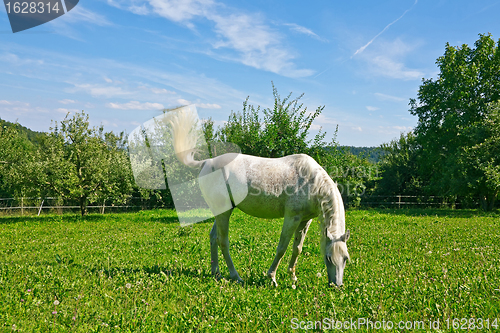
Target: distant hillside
33	136
374	154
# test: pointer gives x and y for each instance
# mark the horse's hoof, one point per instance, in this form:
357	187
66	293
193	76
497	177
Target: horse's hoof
274	283
217	276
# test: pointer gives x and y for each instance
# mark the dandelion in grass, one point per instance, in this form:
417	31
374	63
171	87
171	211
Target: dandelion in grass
128	286
293	286
318	275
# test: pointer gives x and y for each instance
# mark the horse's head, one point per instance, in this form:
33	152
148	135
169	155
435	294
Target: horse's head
336	256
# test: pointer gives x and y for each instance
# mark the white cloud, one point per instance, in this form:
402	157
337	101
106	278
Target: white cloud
303	30
80	14
14	103
18	108
357	129
240	37
162	91
64	110
388	67
208	106
99	91
387	60
135	105
67	101
372	108
385	97
199	105
394	130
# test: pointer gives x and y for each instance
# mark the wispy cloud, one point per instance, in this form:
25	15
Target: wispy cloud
79	14
98	90
240	37
303	30
135	105
386	66
67	101
387	59
200	105
362	48
385	97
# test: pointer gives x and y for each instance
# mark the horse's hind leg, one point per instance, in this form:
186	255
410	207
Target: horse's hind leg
214	252
289	226
222	229
300	235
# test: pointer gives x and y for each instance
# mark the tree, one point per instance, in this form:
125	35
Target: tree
449	106
16	161
282	131
399	167
480	163
83	163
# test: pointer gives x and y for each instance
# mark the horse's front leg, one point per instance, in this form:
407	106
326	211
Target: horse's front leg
300	235
222	222
289	226
214	252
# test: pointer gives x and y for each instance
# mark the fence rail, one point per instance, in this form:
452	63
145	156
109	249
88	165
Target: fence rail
29	206
406	201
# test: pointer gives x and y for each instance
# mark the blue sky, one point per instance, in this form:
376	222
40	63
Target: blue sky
122	61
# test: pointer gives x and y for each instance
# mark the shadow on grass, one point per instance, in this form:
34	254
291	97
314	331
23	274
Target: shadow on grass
143	216
439	212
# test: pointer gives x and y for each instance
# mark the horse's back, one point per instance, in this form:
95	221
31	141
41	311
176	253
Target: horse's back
275	185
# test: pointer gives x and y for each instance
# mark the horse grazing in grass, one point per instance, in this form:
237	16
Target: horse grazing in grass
294	187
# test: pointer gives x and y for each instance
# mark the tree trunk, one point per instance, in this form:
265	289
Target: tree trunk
491	204
488	202
83	206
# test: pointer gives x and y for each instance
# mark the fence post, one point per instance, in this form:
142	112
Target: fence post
103	205
40	207
399	201
22	206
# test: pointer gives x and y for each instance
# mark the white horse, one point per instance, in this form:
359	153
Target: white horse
294	187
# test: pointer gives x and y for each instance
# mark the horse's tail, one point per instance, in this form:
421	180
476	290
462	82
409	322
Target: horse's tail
185	135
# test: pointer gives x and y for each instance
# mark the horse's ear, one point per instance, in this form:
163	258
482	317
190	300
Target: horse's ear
345	236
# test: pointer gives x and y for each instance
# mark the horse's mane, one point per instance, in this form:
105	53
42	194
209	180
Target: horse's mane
329	200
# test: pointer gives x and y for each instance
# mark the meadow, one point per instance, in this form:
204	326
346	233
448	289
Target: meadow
141	272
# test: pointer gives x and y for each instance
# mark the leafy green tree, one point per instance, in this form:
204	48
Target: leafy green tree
282	131
448	107
399	167
16	161
84	163
480	163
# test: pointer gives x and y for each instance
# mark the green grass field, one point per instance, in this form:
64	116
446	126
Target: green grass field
141	272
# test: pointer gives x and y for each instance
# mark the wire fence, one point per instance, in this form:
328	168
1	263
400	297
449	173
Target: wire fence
409	201
37	206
